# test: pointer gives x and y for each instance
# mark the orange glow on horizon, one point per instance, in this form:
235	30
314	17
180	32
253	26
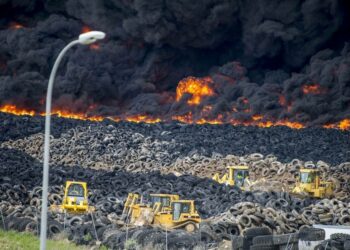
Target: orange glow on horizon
256	120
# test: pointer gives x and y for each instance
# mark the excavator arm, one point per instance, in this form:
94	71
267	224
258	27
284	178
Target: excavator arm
219	179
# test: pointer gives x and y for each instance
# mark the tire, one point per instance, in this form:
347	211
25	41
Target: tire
312	234
336	244
74	221
340	237
207	235
53	227
285	238
257	231
347	245
259	247
263	240
22	224
232	229
237	242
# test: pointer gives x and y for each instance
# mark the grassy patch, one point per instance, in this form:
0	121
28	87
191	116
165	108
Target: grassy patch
12	240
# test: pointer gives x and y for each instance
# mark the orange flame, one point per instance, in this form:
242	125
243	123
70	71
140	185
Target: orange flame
342	125
282	100
197	87
187	118
94	46
16	26
256	120
85	29
142	118
12	109
314	89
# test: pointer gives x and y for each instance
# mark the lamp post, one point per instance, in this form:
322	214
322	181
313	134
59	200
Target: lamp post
85	38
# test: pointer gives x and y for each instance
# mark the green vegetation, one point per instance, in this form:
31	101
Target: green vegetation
131	244
12	240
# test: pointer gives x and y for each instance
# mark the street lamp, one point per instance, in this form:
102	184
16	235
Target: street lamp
85	38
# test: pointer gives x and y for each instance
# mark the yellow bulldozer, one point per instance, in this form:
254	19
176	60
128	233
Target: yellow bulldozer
237	176
75	199
310	184
163	210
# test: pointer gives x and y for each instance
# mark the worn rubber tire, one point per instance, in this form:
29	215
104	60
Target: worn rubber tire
312	234
257	231
263	240
340	236
237	242
261	247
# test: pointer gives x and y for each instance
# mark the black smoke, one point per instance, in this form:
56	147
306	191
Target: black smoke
262	51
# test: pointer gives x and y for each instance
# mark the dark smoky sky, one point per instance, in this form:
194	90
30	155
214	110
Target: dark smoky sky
265	51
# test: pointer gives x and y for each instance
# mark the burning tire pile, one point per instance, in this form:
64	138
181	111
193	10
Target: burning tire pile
118	158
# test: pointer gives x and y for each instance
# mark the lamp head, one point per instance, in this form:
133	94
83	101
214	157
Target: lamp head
91	37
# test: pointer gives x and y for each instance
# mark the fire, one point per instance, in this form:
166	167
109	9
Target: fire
255	120
12	109
257	117
77	116
142	118
16	26
342	125
94	46
187	118
197	87
314	89
85	29
282	100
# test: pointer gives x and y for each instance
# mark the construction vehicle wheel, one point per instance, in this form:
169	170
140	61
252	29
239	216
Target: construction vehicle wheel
190	227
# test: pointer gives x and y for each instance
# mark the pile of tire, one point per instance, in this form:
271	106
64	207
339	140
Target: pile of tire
260	238
123	145
154	238
336	241
120	147
310	238
248	214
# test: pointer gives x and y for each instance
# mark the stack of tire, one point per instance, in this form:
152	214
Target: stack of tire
337	241
261	238
309	238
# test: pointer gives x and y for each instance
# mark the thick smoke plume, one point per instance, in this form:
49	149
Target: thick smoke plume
261	60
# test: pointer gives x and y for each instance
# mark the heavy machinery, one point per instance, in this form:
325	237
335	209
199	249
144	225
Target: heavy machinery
75	199
310	184
237	176
163	210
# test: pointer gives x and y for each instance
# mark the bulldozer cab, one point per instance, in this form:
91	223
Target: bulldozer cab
180	208
239	174
76	190
164	200
75	199
307	176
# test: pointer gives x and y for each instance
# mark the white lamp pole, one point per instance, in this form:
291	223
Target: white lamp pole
85	38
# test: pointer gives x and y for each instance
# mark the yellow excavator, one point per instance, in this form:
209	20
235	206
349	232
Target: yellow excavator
237	176
310	184
163	210
75	199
